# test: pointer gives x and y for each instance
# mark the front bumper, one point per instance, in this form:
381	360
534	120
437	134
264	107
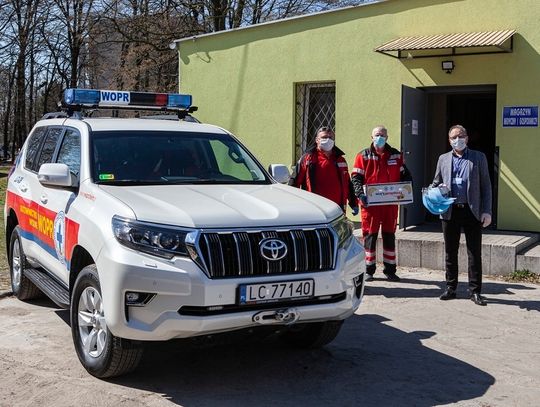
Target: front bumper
180	285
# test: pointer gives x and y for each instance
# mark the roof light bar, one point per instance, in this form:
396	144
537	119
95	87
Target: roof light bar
117	99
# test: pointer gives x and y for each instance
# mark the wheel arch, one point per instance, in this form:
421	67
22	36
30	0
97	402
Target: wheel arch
79	260
11	222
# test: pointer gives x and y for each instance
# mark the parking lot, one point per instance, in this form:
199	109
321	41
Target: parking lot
404	347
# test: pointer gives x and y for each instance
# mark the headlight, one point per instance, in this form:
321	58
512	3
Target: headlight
158	240
344	229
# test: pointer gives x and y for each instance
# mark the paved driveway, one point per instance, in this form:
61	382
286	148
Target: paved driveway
403	348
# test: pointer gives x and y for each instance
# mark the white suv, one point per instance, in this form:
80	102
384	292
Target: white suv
159	229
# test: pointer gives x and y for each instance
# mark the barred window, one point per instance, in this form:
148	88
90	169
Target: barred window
315	108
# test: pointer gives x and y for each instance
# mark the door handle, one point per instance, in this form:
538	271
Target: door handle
44	199
407	152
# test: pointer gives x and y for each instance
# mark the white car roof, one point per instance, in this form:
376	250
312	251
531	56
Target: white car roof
103	124
118	124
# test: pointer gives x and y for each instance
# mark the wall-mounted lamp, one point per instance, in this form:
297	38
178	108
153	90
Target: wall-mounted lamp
448	66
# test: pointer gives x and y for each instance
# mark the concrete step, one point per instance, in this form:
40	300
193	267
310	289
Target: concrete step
529	259
423	246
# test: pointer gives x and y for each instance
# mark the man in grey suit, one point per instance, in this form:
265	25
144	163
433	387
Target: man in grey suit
465	173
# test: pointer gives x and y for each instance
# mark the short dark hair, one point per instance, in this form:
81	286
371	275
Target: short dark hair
459	127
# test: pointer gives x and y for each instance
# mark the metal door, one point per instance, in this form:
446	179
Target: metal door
413	144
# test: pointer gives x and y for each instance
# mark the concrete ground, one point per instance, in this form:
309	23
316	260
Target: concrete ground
403	348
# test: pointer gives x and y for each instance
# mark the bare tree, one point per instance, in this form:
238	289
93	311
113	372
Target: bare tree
47	45
21	19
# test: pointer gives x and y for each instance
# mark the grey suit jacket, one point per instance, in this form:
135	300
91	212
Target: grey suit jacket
478	186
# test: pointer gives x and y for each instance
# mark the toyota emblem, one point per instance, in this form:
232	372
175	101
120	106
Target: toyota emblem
273	249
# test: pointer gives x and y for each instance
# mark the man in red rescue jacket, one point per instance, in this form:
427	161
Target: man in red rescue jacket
379	163
323	170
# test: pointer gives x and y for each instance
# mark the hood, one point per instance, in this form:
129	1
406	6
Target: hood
225	206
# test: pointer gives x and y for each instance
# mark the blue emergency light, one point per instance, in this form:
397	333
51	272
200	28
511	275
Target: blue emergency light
117	99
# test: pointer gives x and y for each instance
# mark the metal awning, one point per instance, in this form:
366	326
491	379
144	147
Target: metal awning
486	42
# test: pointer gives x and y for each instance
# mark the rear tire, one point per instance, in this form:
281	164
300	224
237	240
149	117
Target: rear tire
21	286
101	353
312	335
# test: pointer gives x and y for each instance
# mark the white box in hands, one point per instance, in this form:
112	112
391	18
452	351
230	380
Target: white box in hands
399	193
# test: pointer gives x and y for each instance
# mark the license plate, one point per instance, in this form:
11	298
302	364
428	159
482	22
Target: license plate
276	291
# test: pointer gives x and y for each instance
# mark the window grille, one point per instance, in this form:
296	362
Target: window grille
315	108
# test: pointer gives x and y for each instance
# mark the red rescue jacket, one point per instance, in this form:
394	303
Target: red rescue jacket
372	168
304	177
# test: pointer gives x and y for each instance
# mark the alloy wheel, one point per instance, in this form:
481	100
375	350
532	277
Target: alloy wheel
91	319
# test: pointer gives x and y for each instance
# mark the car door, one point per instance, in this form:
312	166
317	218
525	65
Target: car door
24	193
65	229
49	201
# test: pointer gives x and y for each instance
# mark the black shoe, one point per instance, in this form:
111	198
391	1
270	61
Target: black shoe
392	277
369	277
478	299
449	294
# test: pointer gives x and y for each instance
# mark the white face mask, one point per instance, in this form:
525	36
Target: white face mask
458	144
326	144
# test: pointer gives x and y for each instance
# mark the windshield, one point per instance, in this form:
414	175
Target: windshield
160	157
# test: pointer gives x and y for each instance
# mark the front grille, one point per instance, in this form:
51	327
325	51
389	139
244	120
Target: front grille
234	254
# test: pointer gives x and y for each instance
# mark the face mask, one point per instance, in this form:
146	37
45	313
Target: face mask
458	144
326	144
379	141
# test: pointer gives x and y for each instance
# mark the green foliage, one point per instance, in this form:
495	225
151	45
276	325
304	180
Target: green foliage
523	276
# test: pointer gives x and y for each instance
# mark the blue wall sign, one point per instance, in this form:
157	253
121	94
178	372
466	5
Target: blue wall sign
520	116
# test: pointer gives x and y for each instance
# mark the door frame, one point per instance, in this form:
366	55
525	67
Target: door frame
454	90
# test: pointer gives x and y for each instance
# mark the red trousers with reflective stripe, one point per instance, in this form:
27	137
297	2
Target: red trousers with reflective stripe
374	218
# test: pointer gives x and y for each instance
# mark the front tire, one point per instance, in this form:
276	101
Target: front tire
21	286
312	335
101	353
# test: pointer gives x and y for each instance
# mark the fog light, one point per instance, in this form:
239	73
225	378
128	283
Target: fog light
138	299
132	297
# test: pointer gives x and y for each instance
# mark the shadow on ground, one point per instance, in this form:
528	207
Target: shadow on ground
415	288
369	364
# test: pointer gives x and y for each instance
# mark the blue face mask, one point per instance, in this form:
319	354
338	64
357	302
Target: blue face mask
379	141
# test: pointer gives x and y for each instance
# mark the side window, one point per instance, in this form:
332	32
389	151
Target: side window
49	147
33	146
70	151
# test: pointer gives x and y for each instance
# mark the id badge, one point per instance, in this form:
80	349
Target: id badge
458	181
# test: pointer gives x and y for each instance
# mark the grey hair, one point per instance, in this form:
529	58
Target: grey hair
459	127
377	129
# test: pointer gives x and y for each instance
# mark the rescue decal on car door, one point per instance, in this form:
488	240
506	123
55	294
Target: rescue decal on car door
54	232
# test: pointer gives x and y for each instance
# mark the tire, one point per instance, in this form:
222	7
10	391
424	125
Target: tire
312	335
101	353
21	286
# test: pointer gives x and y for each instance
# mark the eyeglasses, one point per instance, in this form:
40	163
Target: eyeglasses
458	136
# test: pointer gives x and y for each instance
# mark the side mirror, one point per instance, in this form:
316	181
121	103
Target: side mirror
280	173
56	175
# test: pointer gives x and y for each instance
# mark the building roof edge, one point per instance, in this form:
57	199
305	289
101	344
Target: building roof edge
195	37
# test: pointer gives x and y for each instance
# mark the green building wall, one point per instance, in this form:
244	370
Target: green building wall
244	80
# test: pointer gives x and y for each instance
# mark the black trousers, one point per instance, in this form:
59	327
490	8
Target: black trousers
389	252
463	218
